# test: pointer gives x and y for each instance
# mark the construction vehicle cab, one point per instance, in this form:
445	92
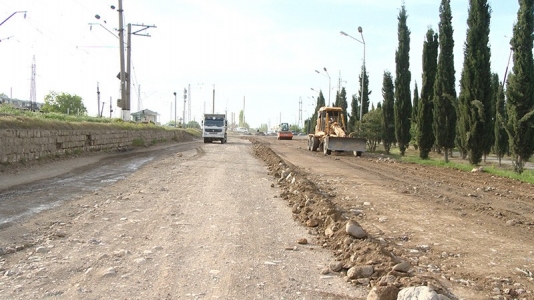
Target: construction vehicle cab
284	133
330	133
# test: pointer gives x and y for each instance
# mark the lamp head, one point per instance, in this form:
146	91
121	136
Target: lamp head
343	33
317	71
360	29
325	69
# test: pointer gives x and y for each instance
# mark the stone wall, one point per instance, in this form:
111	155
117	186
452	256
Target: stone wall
19	145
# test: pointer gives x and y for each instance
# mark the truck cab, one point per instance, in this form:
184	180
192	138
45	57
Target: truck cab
214	128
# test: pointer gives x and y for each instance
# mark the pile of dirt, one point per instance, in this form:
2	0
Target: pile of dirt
361	258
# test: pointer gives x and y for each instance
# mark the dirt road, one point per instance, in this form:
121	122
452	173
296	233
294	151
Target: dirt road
217	222
203	223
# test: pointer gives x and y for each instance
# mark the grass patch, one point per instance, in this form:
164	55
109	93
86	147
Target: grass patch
137	142
412	156
11	118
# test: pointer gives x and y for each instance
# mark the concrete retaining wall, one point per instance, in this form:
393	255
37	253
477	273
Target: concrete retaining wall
19	145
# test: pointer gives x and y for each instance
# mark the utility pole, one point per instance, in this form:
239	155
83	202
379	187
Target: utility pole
103	104
189	102
300	112
175	123
129	57
98	97
124	100
110	108
33	90
183	118
213	102
124	75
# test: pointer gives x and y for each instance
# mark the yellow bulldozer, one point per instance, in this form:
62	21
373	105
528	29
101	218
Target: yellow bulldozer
330	134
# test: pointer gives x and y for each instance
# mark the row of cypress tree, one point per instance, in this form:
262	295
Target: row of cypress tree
484	116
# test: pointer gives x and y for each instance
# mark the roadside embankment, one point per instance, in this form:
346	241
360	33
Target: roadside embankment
29	143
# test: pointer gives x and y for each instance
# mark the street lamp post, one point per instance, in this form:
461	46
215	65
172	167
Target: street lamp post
329	83
17	12
175	124
363	68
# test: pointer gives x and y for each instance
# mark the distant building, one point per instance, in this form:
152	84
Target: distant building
20	104
145	116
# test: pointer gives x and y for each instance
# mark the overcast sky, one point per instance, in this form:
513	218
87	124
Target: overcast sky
261	52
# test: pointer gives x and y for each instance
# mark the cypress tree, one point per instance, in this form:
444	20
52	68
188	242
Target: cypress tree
520	89
445	103
414	126
338	100
425	118
343	104
474	102
501	140
403	101
388	112
415	105
366	92
320	103
353	118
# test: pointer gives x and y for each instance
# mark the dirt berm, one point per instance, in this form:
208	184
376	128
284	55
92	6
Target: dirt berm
466	235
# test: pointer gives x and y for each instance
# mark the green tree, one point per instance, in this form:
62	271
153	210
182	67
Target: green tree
403	101
474	102
501	139
366	92
414	128
415	105
425	134
353	117
445	102
320	103
193	124
341	101
372	128
520	89
388	112
64	103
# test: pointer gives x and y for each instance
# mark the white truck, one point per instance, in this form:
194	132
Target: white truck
214	128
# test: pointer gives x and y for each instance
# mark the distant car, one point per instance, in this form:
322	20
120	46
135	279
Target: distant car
241	130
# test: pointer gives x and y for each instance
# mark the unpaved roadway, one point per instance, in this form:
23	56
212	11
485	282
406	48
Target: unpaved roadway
217	222
202	223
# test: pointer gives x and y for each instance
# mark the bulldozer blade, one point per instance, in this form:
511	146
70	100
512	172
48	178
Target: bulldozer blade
346	144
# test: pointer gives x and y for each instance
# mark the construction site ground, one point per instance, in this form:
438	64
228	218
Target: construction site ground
261	218
470	233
